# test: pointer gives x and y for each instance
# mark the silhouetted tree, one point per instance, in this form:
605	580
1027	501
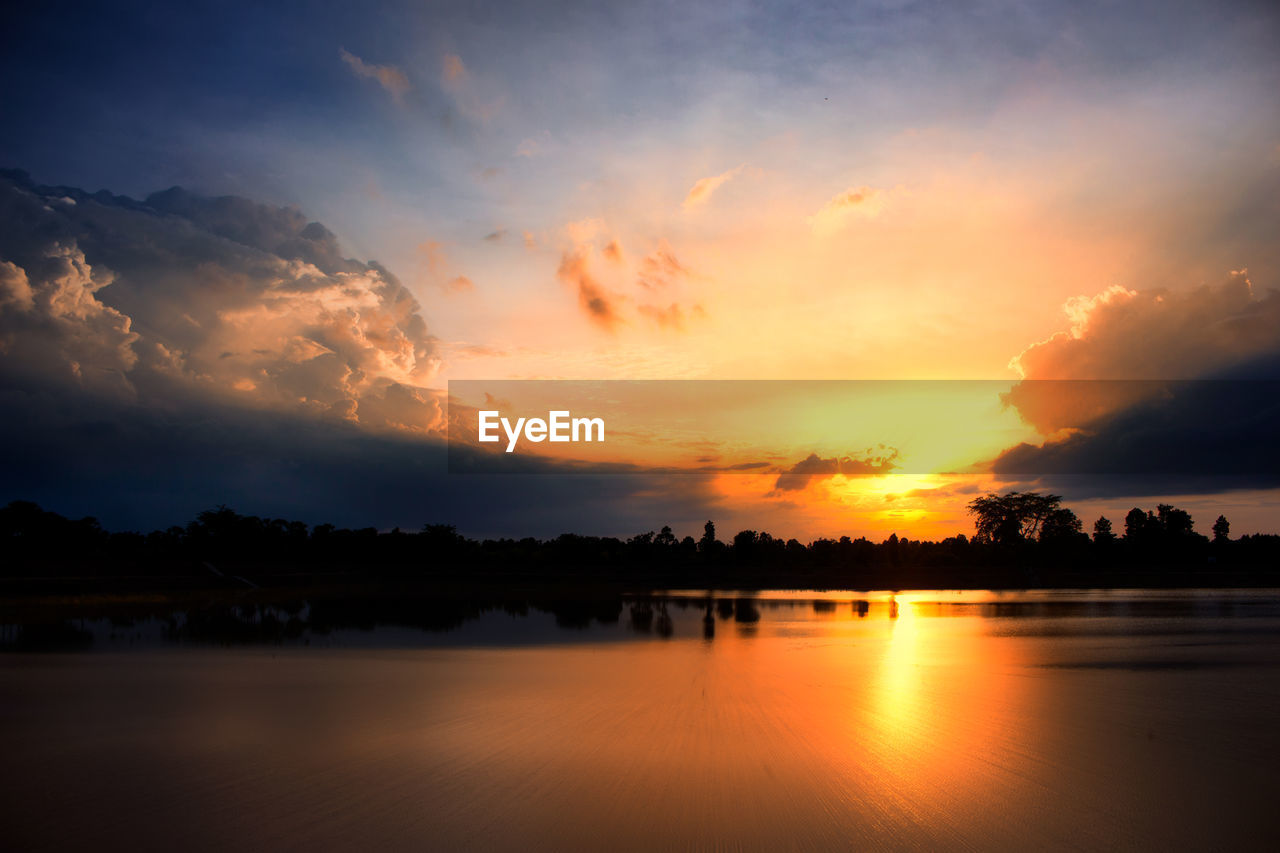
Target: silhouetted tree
1060	526
1052	550
708	542
1136	525
1011	518
1174	522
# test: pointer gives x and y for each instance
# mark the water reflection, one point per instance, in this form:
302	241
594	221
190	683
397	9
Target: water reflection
915	720
429	618
897	681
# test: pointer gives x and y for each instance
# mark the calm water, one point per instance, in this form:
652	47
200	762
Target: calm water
788	720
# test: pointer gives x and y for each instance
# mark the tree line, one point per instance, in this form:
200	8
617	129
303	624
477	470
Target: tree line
1019	539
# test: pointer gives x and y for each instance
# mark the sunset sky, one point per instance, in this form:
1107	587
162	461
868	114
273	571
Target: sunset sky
869	191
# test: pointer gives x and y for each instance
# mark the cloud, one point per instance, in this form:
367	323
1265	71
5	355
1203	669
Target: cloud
388	76
532	146
835	214
496	236
1155	390
149	467
452	69
671	317
815	467
1157	333
598	305
15	289
459	350
702	190
947	491
472	96
1122	335
434	269
1219	432
660	268
186	297
582	231
54	329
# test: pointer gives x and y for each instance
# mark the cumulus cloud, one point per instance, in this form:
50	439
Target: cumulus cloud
613	251
1157	334
700	193
210	298
159	357
1151	387
53	328
814	467
15	289
388	76
1122	335
599	306
836	213
1219	432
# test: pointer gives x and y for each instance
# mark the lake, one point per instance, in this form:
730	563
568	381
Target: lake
798	720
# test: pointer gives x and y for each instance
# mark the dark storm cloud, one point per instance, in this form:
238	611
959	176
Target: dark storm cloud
161	357
1195	436
814	466
140	468
1198	408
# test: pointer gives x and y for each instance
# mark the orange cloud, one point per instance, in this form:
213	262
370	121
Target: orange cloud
388	76
660	268
671	317
434	269
473	98
700	193
453	69
1157	334
1123	334
52	323
573	271
863	201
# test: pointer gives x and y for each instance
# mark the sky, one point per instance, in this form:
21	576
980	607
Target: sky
317	215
